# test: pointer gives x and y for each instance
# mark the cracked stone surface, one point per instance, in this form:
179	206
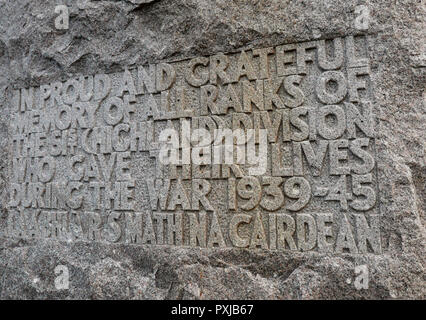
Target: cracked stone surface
106	36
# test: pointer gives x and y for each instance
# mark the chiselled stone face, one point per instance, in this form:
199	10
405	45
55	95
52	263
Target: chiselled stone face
273	150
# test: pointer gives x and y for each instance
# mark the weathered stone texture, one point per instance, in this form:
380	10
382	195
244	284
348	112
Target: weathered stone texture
107	36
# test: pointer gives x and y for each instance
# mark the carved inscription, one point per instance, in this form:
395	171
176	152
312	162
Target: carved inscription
85	153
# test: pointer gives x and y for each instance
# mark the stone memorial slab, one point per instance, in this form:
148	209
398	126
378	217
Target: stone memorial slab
196	149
